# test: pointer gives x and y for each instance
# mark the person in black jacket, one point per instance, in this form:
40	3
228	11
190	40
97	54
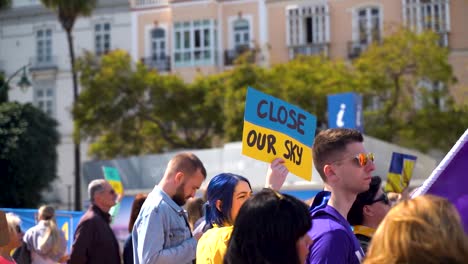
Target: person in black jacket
367	211
94	240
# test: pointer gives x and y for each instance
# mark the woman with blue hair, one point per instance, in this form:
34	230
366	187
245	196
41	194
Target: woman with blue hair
225	195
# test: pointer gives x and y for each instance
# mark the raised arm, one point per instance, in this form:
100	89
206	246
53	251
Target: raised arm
276	174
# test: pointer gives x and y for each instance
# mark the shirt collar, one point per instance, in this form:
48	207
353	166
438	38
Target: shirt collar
363	230
103	214
169	200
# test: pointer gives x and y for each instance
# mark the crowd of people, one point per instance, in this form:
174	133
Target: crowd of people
351	221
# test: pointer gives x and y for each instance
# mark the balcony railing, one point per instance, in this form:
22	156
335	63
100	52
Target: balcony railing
149	3
231	55
355	48
308	50
43	63
161	65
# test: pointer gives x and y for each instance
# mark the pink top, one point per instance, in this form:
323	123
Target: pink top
6	261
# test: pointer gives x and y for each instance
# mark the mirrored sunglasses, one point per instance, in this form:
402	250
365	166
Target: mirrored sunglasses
363	158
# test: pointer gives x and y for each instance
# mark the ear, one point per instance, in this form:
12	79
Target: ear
367	210
329	173
219	205
178	178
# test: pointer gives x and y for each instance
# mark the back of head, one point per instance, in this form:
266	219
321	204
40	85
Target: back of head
136	207
328	143
185	162
50	242
46	212
194	210
267	229
426	229
221	187
355	214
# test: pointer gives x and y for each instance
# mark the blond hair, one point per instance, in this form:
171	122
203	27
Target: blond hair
51	238
426	229
13	222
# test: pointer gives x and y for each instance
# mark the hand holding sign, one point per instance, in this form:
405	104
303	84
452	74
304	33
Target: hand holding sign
274	128
276	174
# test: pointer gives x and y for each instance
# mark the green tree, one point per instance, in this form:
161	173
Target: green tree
68	11
28	155
130	110
305	82
408	77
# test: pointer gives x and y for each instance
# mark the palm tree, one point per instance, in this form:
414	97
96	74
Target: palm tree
68	11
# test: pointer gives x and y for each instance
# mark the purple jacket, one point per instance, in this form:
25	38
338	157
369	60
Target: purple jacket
333	239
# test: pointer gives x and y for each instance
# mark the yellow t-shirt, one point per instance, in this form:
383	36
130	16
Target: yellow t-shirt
212	245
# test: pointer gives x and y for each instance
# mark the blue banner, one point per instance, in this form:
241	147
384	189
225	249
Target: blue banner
345	110
67	221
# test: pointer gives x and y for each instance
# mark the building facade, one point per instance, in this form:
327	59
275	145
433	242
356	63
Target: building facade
31	34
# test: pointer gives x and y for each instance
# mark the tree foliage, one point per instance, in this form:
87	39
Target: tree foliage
131	110
28	155
408	77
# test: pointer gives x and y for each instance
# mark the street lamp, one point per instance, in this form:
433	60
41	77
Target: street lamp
23	83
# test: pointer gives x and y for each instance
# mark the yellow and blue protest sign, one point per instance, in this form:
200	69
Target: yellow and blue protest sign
274	128
400	172
112	176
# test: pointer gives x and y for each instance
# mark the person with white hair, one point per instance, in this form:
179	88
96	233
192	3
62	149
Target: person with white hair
94	240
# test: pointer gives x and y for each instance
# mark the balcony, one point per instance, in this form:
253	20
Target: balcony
231	55
160	64
43	63
149	3
308	50
355	48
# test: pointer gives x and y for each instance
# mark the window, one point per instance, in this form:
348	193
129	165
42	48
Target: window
241	34
368	25
420	15
102	39
44	98
194	42
308	29
158	44
44	46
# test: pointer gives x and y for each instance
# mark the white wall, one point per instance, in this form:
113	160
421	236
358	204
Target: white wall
18	45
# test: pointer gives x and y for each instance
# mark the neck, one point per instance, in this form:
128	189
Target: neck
105	209
341	201
165	185
370	223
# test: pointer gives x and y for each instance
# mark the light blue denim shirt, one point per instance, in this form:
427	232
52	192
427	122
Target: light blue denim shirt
161	233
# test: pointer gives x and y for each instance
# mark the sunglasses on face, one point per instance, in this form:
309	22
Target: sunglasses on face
383	198
18	229
362	158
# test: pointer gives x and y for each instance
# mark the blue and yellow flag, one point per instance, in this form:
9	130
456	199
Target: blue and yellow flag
400	172
112	176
